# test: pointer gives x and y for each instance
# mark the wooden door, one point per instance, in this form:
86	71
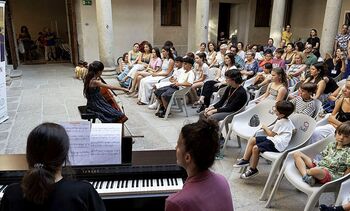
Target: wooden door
73	31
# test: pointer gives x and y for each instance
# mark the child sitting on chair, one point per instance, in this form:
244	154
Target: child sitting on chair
304	103
81	70
262	78
276	140
335	161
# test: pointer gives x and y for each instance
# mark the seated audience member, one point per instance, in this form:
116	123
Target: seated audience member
278	88
276	140
309	57
251	66
124	70
43	187
304	103
81	70
329	105
341	113
146	84
335	65
233	99
335	161
277	61
299	48
201	71
219	59
267	59
140	65
289	54
203	190
202	49
96	103
270	45
287	34
240	50
262	78
313	39
239	62
212	86
134	55
211	54
184	79
295	70
259	52
325	85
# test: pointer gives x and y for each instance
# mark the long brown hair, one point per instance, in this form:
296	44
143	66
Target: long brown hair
47	151
94	68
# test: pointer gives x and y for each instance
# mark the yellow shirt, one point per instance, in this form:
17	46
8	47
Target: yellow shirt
287	36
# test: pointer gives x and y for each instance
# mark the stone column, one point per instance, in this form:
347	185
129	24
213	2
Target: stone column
105	32
202	21
277	19
330	25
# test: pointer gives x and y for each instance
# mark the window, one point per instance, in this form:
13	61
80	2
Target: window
347	18
263	13
170	12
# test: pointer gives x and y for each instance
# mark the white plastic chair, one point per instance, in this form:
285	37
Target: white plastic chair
344	193
213	72
217	95
225	123
338	77
176	98
341	82
257	93
248	82
291	173
304	126
240	122
318	105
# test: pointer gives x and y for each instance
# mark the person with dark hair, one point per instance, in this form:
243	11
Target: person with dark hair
96	103
212	86
43	186
233	99
211	54
184	79
240	50
288	55
309	57
202	49
287	34
299	47
147	83
201	72
334	162
27	42
270	45
313	39
276	140
251	66
278	61
81	70
304	104
203	190
296	69
335	65
239	62
266	59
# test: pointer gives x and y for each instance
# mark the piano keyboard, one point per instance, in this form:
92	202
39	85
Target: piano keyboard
138	186
131	187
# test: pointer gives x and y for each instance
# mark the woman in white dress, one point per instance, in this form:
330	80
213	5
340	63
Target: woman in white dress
146	84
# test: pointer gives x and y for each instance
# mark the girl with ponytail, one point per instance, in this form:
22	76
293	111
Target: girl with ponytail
43	187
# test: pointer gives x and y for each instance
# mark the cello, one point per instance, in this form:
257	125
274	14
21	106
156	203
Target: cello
108	95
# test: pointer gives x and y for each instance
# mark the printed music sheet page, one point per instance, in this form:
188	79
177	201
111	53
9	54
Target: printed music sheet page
106	144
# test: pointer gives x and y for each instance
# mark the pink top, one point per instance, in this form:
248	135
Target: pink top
206	191
278	63
153	63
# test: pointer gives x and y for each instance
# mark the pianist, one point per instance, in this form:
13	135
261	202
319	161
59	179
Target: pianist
203	189
43	187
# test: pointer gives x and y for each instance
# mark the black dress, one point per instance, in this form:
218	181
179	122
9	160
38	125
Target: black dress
97	104
67	195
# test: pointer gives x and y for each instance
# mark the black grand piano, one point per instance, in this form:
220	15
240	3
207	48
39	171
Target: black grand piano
141	182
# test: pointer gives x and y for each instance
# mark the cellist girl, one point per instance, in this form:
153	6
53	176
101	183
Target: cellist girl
96	103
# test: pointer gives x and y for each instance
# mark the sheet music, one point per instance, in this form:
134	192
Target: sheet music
80	147
106	142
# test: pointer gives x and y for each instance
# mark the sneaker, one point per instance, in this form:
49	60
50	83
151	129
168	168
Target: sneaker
250	173
309	180
153	106
241	163
324	207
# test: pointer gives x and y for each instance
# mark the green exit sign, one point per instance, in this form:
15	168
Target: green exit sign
87	2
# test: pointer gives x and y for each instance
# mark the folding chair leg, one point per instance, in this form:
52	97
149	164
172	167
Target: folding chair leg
168	108
312	201
185	105
239	142
275	187
269	183
227	137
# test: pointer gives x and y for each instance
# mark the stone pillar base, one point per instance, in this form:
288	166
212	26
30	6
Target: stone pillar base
109	72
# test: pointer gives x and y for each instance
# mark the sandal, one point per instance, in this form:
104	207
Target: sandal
140	103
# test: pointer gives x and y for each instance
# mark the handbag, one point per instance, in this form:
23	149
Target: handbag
254	121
